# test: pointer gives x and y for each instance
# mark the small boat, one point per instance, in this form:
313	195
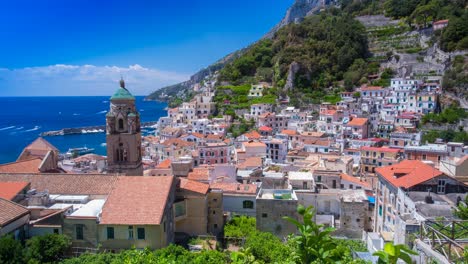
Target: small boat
79	151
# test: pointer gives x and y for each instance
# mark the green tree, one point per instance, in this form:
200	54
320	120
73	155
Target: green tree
392	253
11	251
422	14
49	248
461	210
267	247
240	226
314	242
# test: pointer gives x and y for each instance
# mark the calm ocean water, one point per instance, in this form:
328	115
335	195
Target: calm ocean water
22	119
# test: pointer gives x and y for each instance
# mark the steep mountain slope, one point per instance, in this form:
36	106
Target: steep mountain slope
298	11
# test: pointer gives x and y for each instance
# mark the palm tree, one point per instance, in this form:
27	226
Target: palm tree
392	253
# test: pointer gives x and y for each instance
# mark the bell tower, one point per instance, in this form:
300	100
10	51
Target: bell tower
123	135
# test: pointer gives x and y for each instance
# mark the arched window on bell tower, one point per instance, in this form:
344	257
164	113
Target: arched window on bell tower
121	124
121	154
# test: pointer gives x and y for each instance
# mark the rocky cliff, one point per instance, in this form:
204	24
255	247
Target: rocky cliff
298	11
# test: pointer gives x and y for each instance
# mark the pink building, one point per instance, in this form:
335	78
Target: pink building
213	153
357	128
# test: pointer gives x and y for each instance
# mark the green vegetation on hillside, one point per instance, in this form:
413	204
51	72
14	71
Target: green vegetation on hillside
450	115
324	46
456	78
446	135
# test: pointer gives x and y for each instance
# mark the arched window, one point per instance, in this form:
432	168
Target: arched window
121	124
247	204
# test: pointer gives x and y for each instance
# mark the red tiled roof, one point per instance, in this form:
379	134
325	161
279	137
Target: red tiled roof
371	88
235	188
198	135
254	144
38	148
382	149
289	132
8	190
265	128
22	166
10	211
74	184
408	173
165	164
355	180
199	174
441	22
177	142
251	162
137	200
193	186
357	121
252	135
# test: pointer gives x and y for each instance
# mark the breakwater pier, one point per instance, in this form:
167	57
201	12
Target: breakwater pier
86	130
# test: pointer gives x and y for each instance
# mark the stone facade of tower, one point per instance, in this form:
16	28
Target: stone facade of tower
123	135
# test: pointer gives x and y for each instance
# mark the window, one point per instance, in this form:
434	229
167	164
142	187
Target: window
121	124
141	233
56	231
264	215
215	226
110	233
247	204
424	156
130	232
380	210
319	178
79	232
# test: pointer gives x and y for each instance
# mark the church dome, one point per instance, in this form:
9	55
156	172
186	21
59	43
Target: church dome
122	93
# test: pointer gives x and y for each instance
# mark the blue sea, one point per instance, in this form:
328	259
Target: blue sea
22	119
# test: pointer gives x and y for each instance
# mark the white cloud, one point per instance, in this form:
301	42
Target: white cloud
63	79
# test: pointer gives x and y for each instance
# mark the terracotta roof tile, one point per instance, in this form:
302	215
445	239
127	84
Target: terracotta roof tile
8	190
252	135
22	166
381	149
137	200
165	164
83	184
38	148
357	122
10	211
193	186
355	180
254	144
199	174
289	132
265	128
177	142
408	173
251	162
235	188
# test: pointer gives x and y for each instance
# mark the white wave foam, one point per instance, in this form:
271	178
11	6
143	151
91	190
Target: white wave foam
33	129
105	102
103	144
19	128
75	114
84	131
102	112
142	110
6	128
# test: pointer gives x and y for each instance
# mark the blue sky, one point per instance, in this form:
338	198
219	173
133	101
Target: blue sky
84	45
